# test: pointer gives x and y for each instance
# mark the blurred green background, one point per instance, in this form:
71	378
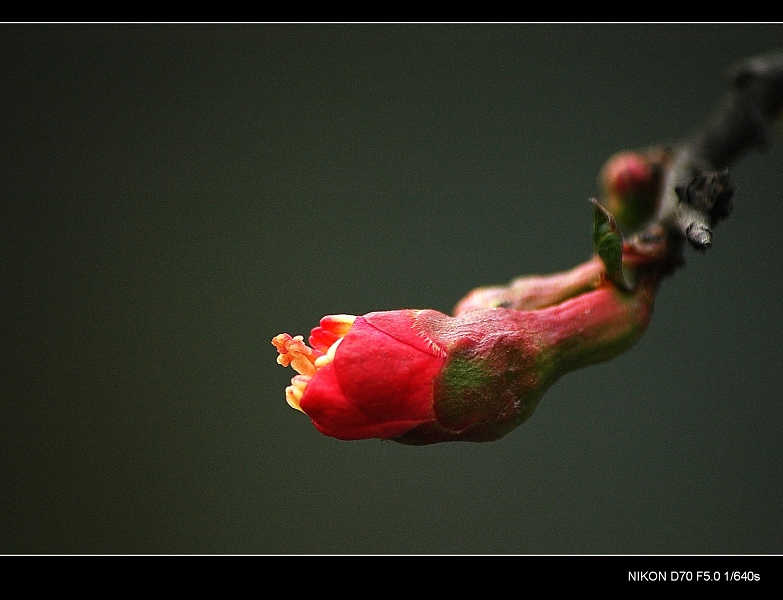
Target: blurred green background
173	196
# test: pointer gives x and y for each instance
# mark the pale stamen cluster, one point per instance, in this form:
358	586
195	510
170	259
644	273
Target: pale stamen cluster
308	361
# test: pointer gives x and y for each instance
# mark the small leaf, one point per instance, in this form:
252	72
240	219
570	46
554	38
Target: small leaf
608	244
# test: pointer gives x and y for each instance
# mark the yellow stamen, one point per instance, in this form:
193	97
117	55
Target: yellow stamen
324	360
295	391
293	351
306	360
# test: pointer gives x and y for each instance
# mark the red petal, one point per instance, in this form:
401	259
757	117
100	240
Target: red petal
402	325
378	385
336	416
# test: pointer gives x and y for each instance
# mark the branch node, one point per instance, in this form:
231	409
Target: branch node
709	193
699	235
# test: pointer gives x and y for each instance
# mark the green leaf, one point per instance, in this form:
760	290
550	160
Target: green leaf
608	244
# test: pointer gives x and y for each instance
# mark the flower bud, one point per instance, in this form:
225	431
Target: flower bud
630	184
422	377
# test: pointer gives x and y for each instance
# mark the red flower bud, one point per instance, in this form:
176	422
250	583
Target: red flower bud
421	377
630	183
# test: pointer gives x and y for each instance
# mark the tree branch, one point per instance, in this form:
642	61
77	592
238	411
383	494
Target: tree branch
697	191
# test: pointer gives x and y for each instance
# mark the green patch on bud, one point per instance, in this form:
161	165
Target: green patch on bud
486	396
462	391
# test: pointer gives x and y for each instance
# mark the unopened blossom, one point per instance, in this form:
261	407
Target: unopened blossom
421	376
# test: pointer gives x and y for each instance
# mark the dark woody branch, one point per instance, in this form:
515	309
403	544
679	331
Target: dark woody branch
697	190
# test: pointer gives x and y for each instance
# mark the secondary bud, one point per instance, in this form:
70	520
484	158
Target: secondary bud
630	183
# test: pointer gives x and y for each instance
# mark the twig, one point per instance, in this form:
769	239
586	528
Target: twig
697	191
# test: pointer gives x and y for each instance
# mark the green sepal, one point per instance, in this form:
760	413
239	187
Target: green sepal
608	244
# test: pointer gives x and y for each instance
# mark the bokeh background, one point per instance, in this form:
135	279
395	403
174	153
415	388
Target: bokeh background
173	196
